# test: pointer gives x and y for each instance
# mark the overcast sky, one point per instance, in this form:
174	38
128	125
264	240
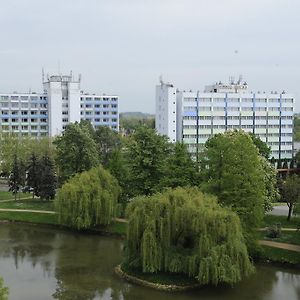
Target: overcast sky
123	46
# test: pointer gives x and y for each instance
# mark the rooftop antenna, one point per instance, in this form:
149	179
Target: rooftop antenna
161	79
79	77
43	75
71	74
240	79
58	64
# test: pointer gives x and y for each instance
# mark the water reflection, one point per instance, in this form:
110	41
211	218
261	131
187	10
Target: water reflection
45	263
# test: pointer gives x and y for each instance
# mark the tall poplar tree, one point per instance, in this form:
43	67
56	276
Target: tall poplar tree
47	181
14	181
33	176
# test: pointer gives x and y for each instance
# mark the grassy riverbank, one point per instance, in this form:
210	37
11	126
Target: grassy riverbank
30	203
161	277
116	228
281	256
276	255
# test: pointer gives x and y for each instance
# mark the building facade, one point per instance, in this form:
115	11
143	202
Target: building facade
222	107
62	102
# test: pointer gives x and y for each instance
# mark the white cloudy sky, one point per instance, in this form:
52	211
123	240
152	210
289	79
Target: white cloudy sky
122	46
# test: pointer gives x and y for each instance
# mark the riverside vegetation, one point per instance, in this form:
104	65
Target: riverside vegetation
233	168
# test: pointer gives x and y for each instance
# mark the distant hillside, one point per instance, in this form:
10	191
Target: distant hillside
129	121
136	115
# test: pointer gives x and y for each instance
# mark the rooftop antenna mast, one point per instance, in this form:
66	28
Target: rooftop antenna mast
43	75
58	64
161	79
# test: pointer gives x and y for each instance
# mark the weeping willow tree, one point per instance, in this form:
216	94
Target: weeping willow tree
187	232
3	291
88	199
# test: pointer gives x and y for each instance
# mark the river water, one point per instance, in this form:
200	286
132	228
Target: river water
39	263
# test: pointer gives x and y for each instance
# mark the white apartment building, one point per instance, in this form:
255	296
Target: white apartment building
193	117
62	102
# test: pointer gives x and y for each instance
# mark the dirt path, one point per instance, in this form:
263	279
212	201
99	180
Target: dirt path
281	245
282	229
28	210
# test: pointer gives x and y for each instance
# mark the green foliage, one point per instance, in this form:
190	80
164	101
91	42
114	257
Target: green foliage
118	167
296	129
291	192
33	178
15	178
146	156
76	150
184	231
263	149
180	169
235	174
270	181
108	141
274	231
88	199
129	122
47	178
3	291
12	145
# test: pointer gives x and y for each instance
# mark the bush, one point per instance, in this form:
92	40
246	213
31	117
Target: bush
274	231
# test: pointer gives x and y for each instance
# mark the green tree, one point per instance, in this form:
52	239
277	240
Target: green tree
3	291
291	192
270	182
76	151
23	147
263	148
297	159
118	167
33	176
180	169
15	179
235	174
108	141
47	178
146	155
184	231
88	199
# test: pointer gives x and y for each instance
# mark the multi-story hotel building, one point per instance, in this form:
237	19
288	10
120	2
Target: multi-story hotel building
62	102
193	117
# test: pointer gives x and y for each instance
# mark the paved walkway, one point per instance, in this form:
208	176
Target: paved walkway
281	210
280	245
28	210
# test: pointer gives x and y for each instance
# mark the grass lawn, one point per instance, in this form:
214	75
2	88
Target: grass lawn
28	204
279	204
270	220
118	228
280	255
288	237
4	195
28	217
